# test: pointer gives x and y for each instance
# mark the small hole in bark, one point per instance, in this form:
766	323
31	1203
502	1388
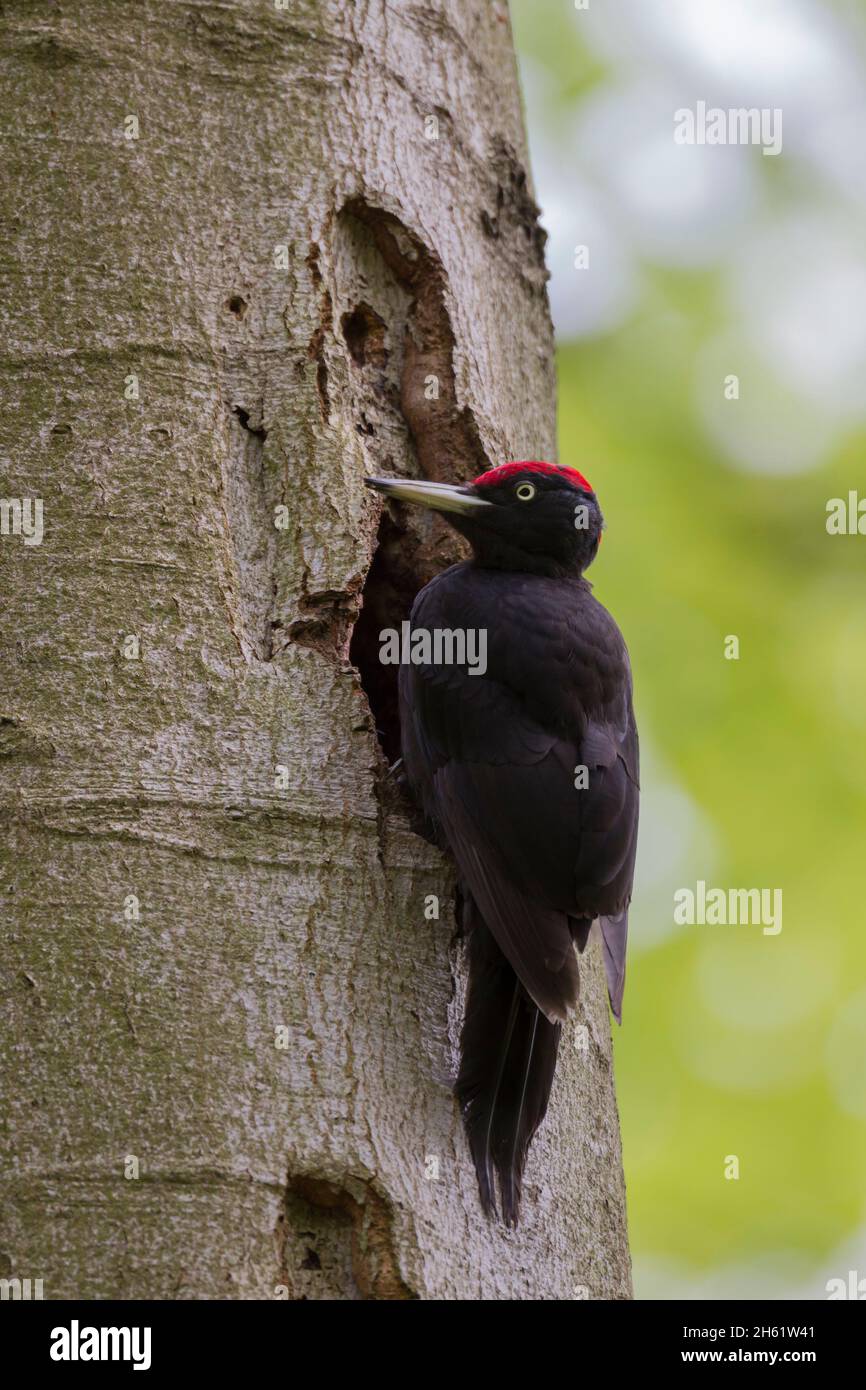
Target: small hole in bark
243	418
354	1247
237	305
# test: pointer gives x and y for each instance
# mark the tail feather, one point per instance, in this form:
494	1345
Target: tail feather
508	1057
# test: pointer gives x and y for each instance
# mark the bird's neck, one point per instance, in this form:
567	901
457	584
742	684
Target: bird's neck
510	559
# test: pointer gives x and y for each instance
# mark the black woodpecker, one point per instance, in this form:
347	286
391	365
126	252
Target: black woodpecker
529	775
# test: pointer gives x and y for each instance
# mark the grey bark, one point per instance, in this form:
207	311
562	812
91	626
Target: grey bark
218	975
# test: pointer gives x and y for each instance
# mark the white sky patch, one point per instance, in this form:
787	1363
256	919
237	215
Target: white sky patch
795	46
790	44
599	297
576	212
800	290
834	144
681	204
787	239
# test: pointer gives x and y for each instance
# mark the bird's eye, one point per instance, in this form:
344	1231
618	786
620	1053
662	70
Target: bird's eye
525	492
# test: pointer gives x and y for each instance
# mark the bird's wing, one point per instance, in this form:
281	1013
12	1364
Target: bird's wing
498	769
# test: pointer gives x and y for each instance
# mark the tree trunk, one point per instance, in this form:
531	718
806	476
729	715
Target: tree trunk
256	250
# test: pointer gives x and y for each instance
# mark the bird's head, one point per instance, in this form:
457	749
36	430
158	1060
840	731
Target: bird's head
540	518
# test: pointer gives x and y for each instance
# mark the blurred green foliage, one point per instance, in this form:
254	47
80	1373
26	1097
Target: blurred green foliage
733	1042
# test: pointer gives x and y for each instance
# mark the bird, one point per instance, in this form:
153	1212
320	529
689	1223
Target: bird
528	773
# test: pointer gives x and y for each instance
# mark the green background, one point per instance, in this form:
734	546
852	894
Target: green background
733	1042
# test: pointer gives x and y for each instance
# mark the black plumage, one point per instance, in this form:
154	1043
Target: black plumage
494	760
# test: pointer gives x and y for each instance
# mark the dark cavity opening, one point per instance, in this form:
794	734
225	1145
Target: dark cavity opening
364	332
392	583
243	418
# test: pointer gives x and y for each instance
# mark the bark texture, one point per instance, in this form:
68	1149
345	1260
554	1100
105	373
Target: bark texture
252	251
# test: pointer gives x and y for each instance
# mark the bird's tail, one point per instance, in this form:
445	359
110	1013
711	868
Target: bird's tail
507	1059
